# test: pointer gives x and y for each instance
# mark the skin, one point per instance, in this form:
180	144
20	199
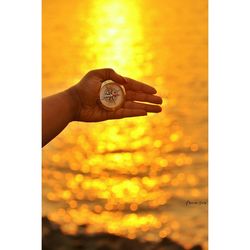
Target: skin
80	103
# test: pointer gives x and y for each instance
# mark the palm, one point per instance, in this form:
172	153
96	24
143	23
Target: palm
88	92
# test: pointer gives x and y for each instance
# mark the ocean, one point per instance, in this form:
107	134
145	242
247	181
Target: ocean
144	177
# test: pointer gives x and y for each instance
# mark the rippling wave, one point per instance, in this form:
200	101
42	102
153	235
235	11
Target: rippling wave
131	177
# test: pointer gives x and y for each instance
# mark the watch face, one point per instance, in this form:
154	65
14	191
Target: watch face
112	95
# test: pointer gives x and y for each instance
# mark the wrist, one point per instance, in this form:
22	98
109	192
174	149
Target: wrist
74	103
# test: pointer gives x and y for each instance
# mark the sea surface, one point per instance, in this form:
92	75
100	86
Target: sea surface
141	177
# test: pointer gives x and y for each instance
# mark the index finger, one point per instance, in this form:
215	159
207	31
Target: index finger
139	86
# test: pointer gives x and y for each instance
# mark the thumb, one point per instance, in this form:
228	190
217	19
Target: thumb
112	75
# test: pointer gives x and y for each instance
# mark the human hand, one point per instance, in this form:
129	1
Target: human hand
85	94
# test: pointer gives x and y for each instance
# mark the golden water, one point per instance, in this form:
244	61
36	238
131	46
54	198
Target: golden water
133	176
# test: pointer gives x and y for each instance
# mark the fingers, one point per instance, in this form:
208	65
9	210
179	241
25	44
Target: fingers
139	86
129	84
137	96
144	106
125	112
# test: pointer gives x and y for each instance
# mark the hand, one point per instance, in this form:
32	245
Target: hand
86	94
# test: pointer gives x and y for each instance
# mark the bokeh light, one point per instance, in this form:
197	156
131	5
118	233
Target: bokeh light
130	177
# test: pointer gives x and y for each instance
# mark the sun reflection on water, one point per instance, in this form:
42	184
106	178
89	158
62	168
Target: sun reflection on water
115	36
133	176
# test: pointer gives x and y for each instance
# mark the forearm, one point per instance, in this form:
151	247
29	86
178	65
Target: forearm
57	112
